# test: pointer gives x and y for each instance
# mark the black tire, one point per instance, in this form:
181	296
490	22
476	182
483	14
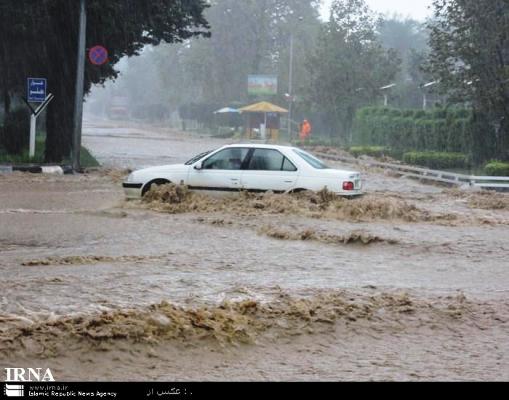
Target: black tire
296	191
157	182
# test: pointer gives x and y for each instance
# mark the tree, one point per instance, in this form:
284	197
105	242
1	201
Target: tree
409	38
470	57
349	65
248	37
405	35
40	39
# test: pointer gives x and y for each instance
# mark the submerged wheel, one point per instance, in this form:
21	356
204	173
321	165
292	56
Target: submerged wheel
295	191
157	182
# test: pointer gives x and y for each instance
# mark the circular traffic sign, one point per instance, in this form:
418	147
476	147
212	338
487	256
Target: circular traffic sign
98	55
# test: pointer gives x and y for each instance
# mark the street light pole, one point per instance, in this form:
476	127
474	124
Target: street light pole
290	81
80	83
386	95
290	89
424	94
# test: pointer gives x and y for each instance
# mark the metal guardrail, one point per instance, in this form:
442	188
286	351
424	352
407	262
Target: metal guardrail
484	182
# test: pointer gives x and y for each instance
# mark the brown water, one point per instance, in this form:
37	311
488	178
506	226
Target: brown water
410	282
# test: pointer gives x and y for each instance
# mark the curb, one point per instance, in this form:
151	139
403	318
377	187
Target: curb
37	169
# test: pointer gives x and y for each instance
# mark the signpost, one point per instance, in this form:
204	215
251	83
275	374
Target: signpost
36	93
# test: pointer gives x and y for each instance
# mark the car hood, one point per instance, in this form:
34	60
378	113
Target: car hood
155	172
164	168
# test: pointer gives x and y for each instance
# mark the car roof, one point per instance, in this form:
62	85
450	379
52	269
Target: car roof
259	146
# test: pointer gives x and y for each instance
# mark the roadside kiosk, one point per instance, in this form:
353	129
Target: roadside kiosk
263	121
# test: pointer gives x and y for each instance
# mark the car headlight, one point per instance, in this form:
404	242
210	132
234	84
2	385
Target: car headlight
130	178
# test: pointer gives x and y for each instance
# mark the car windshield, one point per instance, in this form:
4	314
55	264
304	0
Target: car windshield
311	160
198	157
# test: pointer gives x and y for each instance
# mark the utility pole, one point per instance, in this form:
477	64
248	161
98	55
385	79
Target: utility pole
80	83
290	81
290	89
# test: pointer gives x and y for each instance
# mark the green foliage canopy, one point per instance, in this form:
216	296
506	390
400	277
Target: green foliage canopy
39	38
349	65
470	57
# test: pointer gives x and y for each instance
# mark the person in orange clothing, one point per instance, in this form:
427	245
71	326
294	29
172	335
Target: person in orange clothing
305	130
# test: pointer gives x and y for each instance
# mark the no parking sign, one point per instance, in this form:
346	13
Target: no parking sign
98	55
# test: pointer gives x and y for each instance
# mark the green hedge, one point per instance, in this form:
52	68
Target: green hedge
436	160
441	130
497	168
372	151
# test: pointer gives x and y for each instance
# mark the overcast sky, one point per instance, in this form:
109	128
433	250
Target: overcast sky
417	9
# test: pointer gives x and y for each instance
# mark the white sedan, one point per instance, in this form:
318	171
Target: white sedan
250	167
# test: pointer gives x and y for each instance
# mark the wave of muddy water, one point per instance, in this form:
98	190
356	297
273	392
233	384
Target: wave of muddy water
333	334
92	285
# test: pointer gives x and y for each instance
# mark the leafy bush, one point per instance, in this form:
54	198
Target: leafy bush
497	168
372	151
14	136
436	160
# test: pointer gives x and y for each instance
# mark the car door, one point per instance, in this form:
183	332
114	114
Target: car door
220	172
269	169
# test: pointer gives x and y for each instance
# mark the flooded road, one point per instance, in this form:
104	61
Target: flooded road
410	282
134	145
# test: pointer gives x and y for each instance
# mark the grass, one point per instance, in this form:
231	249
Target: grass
87	159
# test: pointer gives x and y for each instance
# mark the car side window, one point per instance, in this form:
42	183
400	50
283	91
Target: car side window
266	160
288	166
228	159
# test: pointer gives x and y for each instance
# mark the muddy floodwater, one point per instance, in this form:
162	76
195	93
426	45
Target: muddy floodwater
410	282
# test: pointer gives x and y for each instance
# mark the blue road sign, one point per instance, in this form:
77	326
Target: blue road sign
36	90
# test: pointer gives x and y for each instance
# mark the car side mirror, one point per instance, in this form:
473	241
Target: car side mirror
199	166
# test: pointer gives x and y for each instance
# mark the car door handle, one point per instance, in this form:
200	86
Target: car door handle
235	179
288	181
